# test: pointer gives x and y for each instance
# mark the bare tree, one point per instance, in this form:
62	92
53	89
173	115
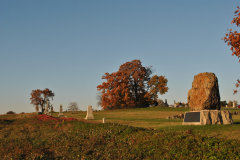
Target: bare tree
99	98
73	106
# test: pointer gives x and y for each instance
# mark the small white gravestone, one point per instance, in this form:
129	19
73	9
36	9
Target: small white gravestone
103	120
89	113
175	105
234	104
226	106
60	113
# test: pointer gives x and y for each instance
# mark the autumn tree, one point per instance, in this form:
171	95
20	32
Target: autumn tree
157	84
73	106
130	86
233	39
40	98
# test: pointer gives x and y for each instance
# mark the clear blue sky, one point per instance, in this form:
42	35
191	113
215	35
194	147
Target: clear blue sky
67	46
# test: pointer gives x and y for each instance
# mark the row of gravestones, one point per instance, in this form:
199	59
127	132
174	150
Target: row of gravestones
89	113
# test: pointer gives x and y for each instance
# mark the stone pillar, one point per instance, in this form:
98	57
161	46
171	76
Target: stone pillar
226	106
103	120
60	113
89	113
234	104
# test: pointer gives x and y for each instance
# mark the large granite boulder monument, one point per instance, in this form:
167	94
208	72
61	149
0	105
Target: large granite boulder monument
204	94
204	102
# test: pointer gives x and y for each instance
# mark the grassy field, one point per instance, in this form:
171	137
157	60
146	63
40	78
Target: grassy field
155	117
128	134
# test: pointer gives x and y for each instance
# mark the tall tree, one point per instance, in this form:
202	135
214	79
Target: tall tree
233	39
40	97
128	86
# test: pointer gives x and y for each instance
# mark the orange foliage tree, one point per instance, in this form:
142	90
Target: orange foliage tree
40	97
233	39
131	86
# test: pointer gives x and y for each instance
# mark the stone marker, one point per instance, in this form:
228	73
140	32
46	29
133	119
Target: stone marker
60	113
234	104
205	117
226	106
204	102
103	120
89	113
175	105
204	93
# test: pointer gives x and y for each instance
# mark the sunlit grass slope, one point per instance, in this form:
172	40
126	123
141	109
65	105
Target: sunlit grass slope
155	117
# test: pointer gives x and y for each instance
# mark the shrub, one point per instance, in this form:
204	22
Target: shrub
10	112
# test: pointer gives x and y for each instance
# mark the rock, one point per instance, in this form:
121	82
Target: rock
173	117
204	94
208	117
216	117
226	117
181	116
205	117
167	117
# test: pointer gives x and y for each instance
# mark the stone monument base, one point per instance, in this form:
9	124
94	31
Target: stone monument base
60	115
205	117
90	116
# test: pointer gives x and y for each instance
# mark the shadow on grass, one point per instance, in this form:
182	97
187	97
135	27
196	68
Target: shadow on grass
236	122
6	121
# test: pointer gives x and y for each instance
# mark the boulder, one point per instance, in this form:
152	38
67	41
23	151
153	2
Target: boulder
204	94
208	117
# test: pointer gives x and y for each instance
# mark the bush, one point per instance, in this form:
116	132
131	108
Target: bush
10	112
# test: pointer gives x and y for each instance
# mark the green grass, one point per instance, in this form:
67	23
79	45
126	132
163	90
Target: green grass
28	138
143	133
155	117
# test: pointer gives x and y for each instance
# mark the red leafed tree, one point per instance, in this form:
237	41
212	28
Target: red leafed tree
40	97
127	87
233	40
